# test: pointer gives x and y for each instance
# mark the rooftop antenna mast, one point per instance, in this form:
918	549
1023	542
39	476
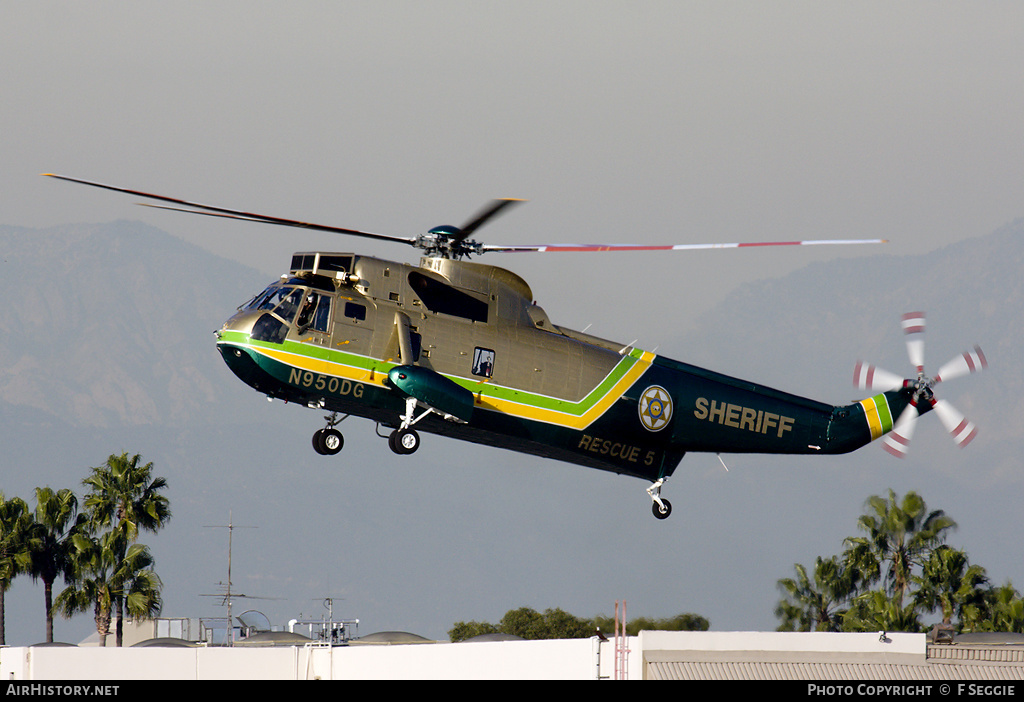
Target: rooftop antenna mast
230	526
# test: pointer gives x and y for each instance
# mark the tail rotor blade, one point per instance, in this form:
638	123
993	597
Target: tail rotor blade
897	442
913	327
966	363
869	377
961	429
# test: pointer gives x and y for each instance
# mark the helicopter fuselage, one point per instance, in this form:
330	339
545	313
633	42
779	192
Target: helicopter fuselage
466	343
461	349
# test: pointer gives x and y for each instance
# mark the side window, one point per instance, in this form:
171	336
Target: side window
306	314
437	296
483	362
353	310
322	316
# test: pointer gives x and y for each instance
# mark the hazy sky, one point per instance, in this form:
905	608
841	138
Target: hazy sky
621	122
647	122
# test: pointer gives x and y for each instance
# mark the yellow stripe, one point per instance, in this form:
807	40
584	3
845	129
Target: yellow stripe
510	407
319	365
564	419
871	413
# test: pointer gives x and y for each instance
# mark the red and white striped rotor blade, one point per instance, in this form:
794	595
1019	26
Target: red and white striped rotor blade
594	248
913	327
897	442
962	430
966	363
870	377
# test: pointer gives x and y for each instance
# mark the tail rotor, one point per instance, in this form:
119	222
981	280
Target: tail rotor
870	377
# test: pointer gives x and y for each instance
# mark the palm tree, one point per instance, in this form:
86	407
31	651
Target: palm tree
140	584
812	602
98	579
950	583
15	557
51	542
124	496
1003	610
876	611
92	561
901	536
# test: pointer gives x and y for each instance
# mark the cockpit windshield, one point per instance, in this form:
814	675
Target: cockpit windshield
283	301
254	302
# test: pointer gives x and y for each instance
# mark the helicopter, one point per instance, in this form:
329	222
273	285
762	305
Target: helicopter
460	349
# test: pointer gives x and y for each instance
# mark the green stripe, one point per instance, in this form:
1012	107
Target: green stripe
884	414
489	390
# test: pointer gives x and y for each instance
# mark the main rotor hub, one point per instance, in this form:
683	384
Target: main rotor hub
446	241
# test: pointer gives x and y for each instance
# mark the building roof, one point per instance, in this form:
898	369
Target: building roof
391	637
274	638
827	657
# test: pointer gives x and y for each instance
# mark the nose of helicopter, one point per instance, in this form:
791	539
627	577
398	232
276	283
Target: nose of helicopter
240	322
234	345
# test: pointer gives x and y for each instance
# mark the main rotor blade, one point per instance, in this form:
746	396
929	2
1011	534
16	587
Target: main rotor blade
590	248
210	210
964	364
483	216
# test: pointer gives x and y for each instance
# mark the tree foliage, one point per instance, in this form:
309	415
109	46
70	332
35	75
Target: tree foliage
895	577
125	498
94	551
51	538
527	623
15	553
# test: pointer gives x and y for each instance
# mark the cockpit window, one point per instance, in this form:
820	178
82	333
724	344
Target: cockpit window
315	313
255	301
283	301
322	317
287	308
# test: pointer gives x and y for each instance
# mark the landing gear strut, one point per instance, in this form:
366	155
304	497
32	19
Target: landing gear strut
659	507
404	440
329	441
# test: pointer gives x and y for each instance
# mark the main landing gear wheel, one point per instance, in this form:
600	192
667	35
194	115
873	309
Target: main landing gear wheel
404	441
328	442
662	511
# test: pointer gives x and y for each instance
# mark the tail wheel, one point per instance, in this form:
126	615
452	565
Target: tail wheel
663	510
